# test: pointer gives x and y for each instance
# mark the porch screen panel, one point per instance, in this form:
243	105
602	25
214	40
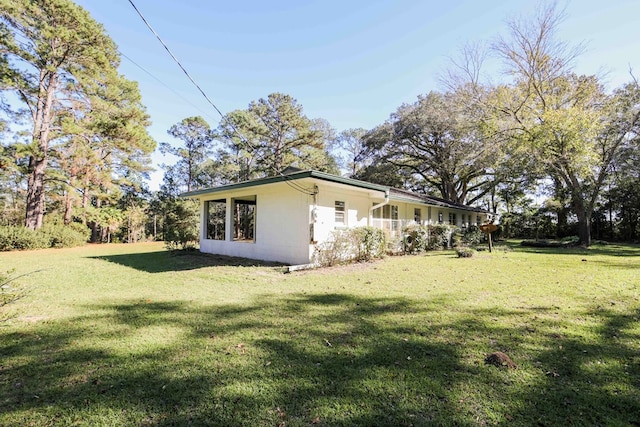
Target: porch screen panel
216	219
244	219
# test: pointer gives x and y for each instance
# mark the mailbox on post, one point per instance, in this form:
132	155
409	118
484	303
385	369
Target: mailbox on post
488	229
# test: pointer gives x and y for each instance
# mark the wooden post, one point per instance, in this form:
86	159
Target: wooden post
488	229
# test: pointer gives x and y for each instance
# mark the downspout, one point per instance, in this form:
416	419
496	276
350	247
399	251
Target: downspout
379	205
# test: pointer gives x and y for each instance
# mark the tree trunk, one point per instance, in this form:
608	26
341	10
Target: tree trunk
562	222
584	231
584	223
38	161
68	207
611	232
35	193
96	235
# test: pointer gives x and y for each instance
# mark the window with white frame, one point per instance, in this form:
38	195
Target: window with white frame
417	215
340	213
440	218
452	218
393	214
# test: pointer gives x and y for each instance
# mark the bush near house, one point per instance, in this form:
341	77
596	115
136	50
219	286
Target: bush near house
416	238
368	243
181	224
354	244
422	238
472	235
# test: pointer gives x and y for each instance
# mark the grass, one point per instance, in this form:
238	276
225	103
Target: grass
133	335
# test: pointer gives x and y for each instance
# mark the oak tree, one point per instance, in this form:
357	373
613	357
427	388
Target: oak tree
565	122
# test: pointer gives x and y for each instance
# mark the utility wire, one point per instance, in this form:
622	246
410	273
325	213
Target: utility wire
174	58
167	86
292	184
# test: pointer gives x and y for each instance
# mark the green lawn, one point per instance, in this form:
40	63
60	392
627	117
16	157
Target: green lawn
132	335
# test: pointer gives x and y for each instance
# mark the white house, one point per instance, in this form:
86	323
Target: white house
283	218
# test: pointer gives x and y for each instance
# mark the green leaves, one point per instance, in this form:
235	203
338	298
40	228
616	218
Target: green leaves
564	126
438	141
197	138
88	126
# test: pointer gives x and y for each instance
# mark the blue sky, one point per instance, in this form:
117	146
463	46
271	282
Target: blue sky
349	62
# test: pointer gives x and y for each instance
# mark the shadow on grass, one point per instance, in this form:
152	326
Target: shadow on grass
615	250
163	261
320	359
619	256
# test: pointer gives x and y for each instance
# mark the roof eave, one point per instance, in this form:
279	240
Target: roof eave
283	178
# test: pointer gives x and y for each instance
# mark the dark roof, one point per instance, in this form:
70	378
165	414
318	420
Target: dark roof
399	194
291	174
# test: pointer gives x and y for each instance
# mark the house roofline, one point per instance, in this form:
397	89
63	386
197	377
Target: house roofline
409	196
288	177
394	193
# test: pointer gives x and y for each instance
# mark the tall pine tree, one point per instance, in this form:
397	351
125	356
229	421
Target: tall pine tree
58	62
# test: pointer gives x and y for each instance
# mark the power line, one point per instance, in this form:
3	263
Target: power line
167	86
292	184
174	58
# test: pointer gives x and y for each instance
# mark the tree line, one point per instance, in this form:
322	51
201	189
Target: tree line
75	146
73	129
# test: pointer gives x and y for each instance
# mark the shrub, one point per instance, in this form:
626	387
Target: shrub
370	243
464	252
52	235
472	235
563	243
336	250
439	236
395	244
354	244
21	238
416	238
570	240
419	238
65	236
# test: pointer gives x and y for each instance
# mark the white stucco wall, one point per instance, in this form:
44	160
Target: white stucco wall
357	204
283	216
282	225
